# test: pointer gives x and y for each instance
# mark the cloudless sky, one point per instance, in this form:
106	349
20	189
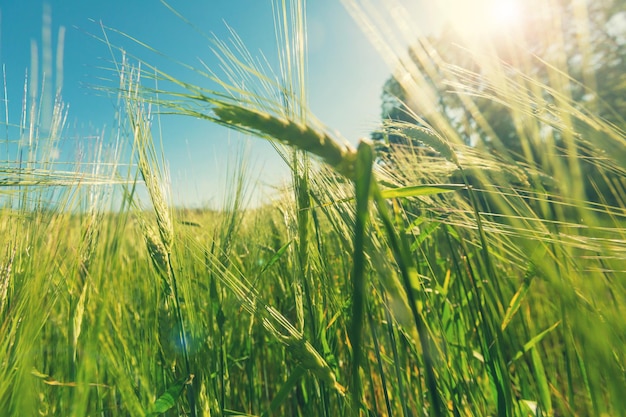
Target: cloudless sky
345	75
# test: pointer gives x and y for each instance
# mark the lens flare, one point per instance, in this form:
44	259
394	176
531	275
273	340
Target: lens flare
480	18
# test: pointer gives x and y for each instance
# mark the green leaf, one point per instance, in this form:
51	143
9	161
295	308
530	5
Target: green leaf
515	303
542	382
420	190
276	256
532	342
284	391
410	191
169	398
426	231
362	186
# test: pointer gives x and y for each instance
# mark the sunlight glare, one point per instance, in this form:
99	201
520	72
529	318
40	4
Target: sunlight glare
482	17
505	12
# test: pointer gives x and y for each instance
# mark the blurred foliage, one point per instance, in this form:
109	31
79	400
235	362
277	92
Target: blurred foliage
569	54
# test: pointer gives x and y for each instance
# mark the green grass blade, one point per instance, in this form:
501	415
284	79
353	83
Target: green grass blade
542	382
420	190
169	398
410	281
364	161
532	342
276	257
515	303
284	391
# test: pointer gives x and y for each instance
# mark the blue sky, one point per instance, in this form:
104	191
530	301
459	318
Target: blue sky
345	74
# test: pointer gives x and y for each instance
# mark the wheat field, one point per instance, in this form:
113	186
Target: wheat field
440	268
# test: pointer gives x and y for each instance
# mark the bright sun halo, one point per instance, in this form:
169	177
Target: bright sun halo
482	17
505	12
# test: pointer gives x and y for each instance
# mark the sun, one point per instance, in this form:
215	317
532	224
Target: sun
505	12
480	18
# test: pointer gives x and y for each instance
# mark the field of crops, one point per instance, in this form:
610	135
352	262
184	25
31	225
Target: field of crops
432	271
